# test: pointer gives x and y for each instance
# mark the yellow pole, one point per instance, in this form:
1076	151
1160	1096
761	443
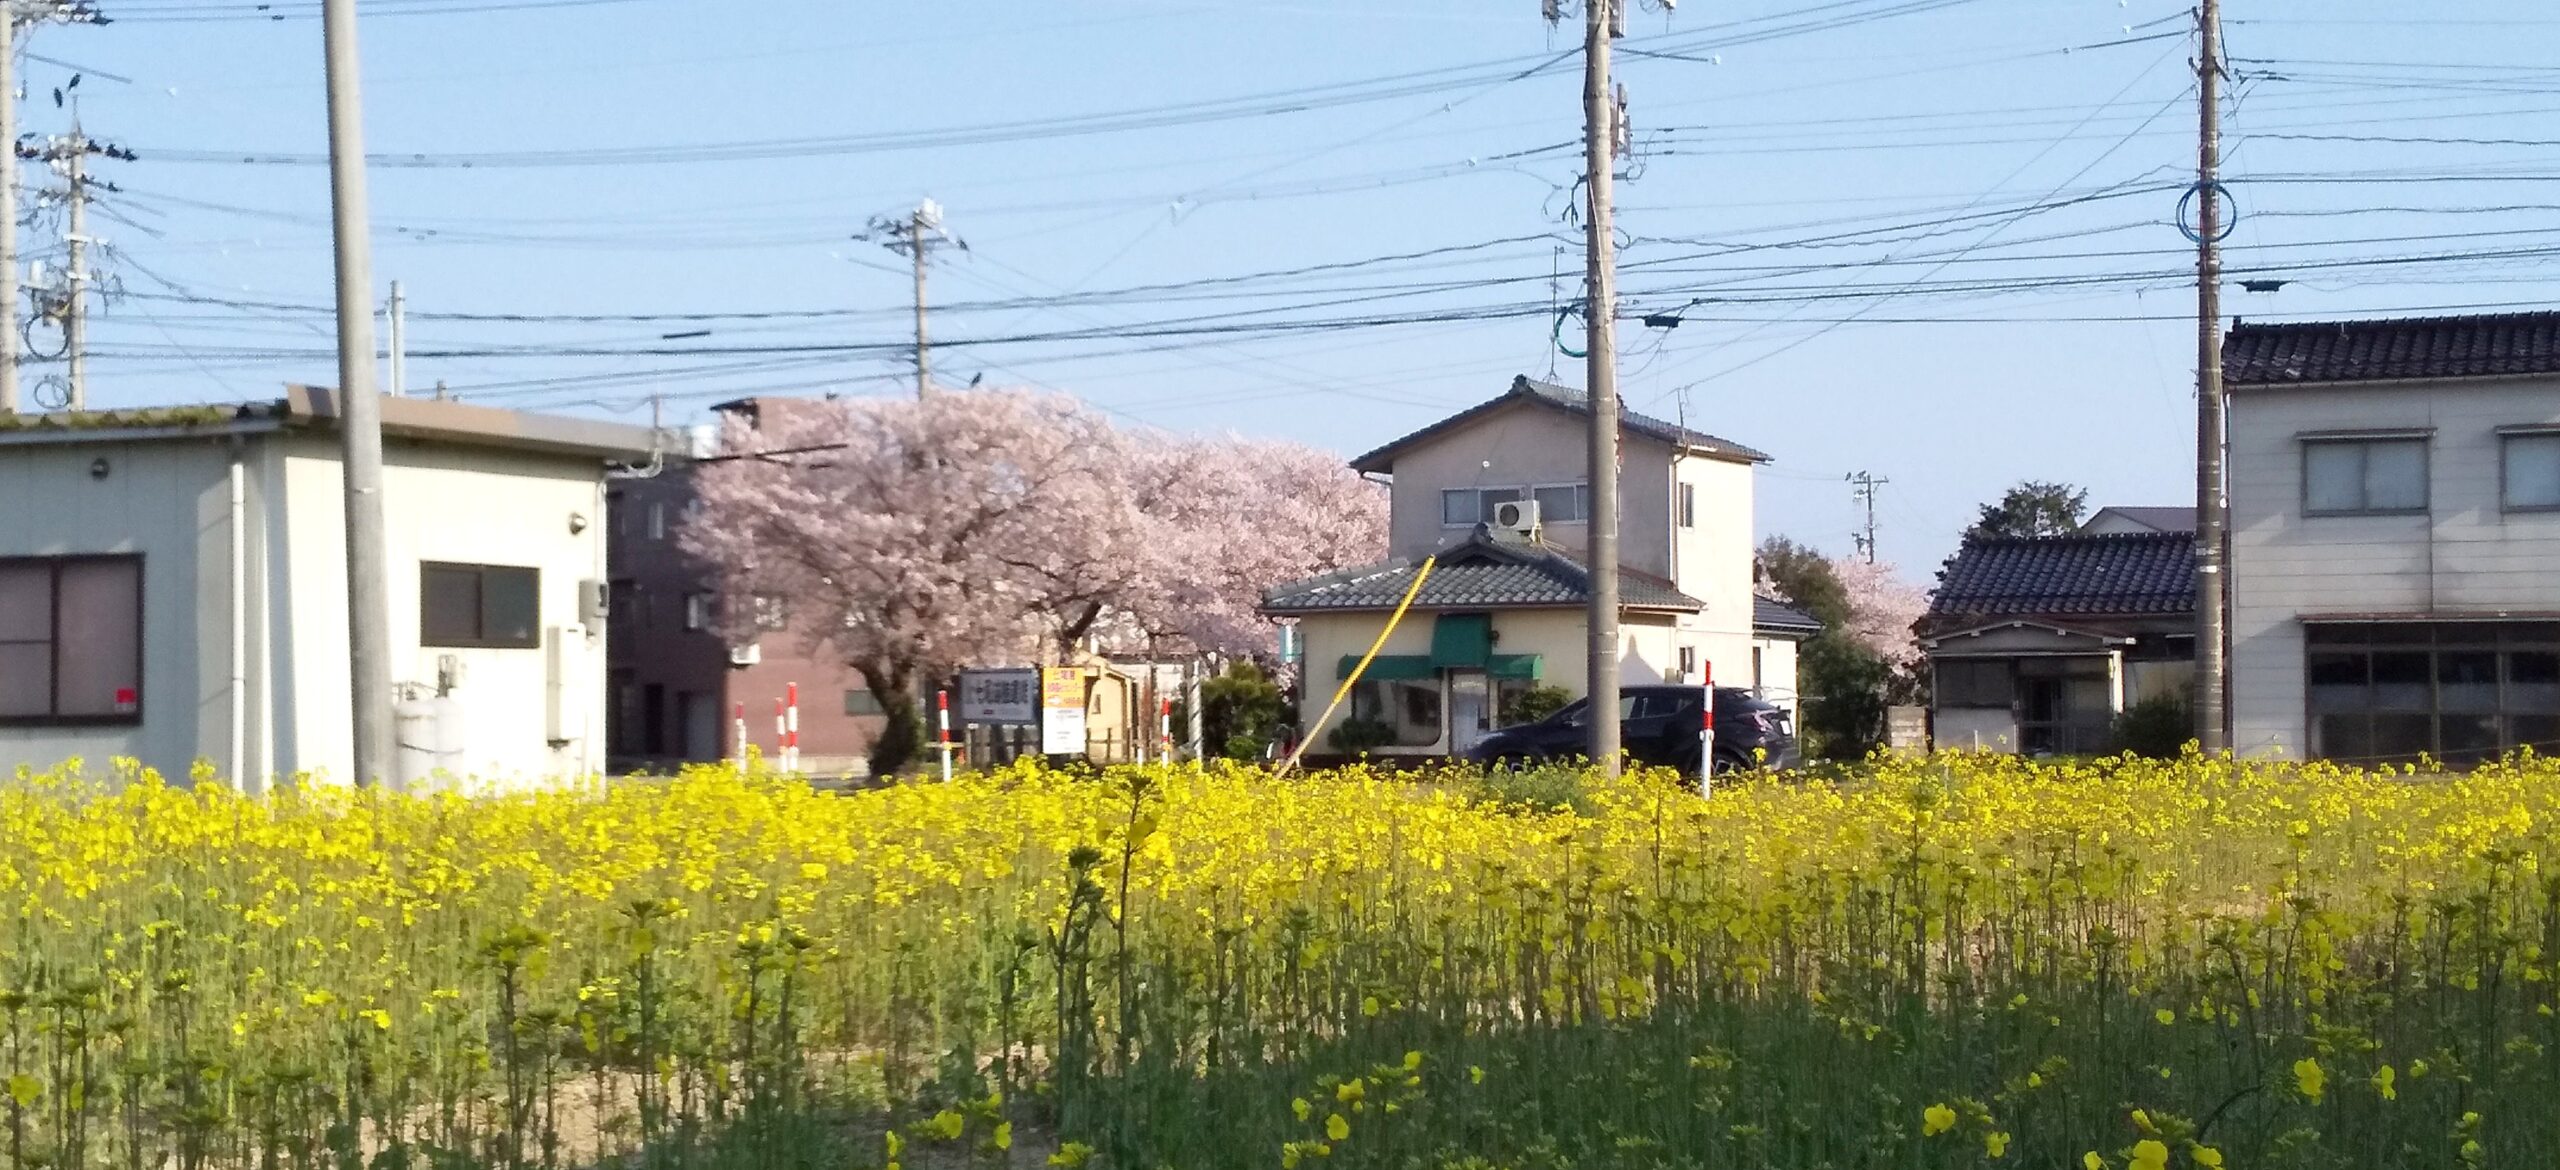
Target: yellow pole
1344	691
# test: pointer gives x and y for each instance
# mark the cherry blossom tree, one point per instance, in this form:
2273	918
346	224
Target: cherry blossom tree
911	538
1883	608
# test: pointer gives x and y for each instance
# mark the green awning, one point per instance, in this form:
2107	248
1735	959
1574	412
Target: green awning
1462	641
1512	666
1390	668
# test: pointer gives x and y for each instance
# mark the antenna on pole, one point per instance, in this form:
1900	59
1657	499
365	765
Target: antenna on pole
915	235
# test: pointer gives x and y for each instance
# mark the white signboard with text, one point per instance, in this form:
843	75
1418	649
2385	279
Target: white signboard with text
1062	701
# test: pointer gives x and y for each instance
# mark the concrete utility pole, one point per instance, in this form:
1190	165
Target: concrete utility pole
75	311
359	410
2213	597
8	206
13	14
1865	486
397	317
1600	137
915	235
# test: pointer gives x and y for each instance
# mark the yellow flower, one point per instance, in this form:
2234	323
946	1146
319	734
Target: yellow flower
1002	1138
1351	1090
2206	1156
1369	1006
2091	1161
947	1125
2308	1077
1936	1119
1412	1061
1336	1126
897	1145
2149	1154
2384	1081
1995	1144
1475	1074
2165	1016
1300	1107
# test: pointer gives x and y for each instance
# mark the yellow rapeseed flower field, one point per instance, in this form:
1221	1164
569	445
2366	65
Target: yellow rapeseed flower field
1958	961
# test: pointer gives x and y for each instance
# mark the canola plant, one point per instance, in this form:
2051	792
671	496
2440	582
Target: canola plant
1959	961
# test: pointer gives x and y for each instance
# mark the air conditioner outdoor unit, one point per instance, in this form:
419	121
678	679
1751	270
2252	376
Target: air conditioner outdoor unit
1516	518
747	655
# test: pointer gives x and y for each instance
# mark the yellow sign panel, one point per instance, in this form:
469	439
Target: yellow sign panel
1062	686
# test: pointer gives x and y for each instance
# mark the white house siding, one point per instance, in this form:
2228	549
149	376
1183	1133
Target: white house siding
1714	561
2466	555
165	501
1776	680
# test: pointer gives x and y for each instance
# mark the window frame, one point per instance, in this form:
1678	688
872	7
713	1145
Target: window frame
2423	438
2363	643
1688	505
2506	483
427	638
53	643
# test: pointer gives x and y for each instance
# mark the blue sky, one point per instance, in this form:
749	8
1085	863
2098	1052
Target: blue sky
1930	239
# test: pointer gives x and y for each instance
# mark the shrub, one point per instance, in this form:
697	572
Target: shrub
1534	704
2157	728
1534	788
1358	737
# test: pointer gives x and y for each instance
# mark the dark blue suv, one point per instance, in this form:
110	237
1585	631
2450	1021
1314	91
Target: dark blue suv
1657	725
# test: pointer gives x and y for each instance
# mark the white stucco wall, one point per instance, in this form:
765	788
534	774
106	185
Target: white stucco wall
169	501
2465	555
463	506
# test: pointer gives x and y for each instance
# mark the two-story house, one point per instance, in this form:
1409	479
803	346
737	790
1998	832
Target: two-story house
1500	494
2395	506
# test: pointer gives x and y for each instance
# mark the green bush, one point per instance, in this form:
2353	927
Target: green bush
1242	711
1534	704
1357	737
2157	728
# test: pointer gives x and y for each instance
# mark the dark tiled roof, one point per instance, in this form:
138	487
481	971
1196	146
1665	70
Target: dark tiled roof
1555	397
2410	349
1777	617
2146	573
1480	574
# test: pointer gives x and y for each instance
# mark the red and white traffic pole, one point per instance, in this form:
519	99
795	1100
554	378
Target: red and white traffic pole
1164	732
791	729
742	739
1707	729
942	701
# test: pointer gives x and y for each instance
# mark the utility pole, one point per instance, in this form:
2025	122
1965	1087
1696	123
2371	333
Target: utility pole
915	235
75	320
1600	140
13	15
398	319
2212	499
1864	487
68	303
359	410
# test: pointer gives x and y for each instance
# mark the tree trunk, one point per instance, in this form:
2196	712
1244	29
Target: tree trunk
902	738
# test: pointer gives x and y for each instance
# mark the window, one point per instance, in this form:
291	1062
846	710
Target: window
1688	662
697	611
2347	476
1976	683
71	640
1468	507
1688	505
2532	470
1564	503
1410	709
2460	693
861	703
657	520
482	606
